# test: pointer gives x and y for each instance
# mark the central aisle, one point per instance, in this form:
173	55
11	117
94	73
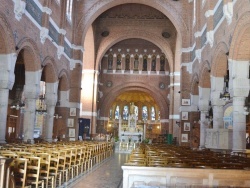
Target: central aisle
106	175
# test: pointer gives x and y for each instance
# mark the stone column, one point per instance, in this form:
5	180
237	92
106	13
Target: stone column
204	95
158	64
203	127
114	62
29	119
217	84
239	125
51	99
123	62
239	89
7	67
218	117
31	93
4	95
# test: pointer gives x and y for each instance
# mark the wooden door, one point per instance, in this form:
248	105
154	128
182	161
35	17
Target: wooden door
11	128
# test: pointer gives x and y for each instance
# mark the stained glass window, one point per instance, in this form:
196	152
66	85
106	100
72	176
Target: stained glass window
125	113
117	112
144	113
152	113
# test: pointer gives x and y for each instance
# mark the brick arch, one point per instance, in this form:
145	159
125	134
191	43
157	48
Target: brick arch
195	66
64	80
205	75
136	33
240	39
30	52
116	91
6	37
101	6
194	84
49	73
219	62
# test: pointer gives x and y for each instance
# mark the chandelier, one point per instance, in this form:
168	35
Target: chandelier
41	105
18	102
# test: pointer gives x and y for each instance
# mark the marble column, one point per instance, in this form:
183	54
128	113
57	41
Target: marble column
239	125
51	99
203	127
7	79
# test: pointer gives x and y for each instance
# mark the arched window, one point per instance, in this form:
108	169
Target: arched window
145	63
117	112
69	10
152	113
110	62
162	63
119	62
127	62
153	64
125	113
144	113
136	112
136	62
110	114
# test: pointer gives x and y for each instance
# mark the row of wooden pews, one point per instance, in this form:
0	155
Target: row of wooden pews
50	164
165	165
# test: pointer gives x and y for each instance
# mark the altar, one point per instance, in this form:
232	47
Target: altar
131	130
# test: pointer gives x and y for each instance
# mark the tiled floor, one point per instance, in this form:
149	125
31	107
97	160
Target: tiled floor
106	175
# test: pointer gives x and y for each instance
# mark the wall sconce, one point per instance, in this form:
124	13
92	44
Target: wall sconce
57	116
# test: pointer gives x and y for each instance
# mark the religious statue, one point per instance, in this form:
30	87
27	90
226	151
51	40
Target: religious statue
132	108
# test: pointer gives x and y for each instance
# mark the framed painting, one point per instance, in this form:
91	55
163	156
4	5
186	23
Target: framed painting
70	122
72	132
186	126
184	115
185	102
72	111
184	137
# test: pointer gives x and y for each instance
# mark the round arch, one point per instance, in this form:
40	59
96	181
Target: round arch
205	75
160	100
49	74
219	62
30	54
64	80
240	39
126	34
163	6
